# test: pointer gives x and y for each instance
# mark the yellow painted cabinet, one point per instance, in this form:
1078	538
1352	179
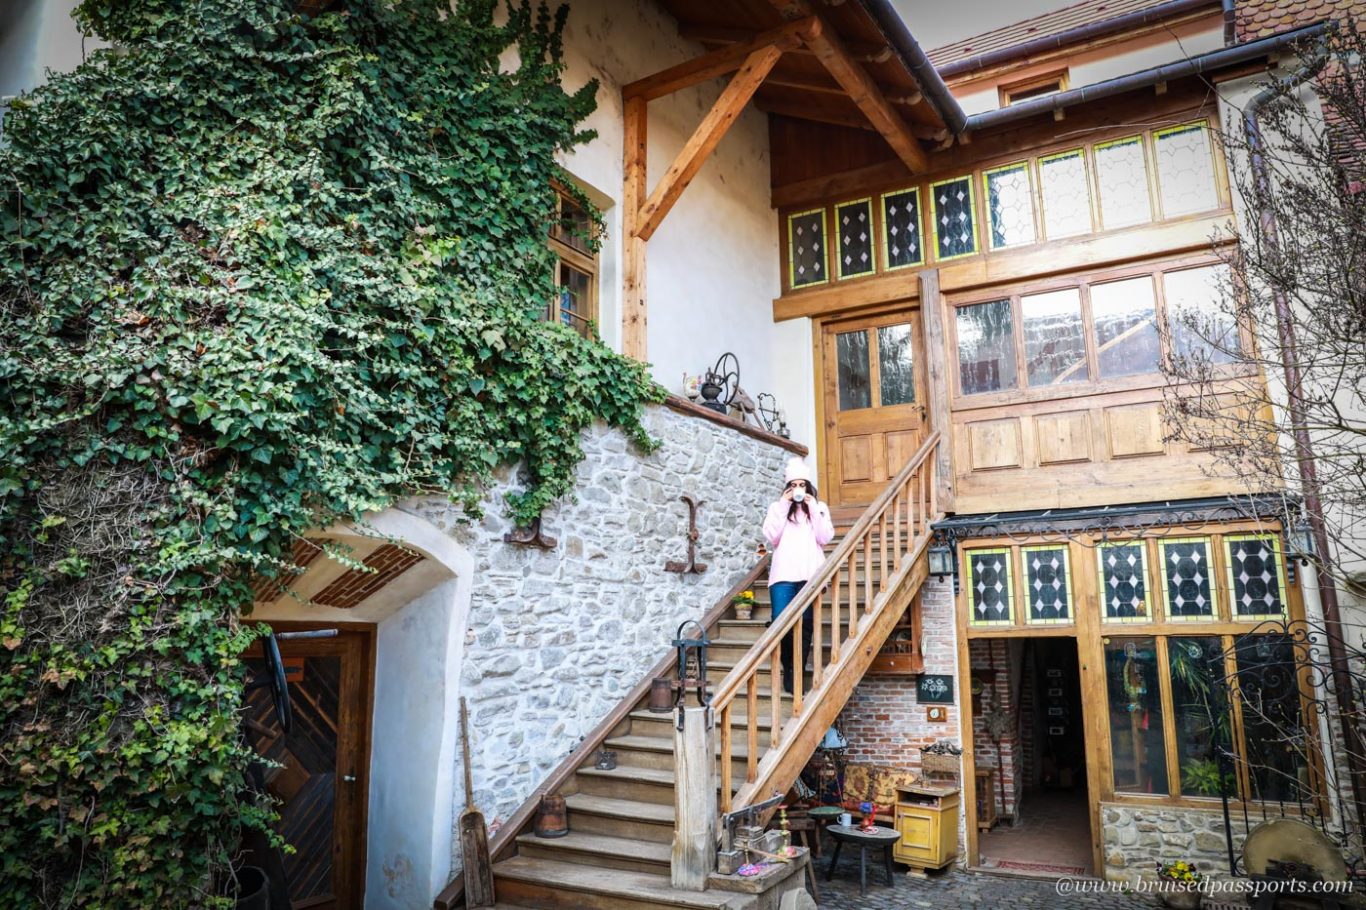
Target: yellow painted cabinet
927	820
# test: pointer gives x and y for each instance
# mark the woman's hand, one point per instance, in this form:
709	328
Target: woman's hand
787	495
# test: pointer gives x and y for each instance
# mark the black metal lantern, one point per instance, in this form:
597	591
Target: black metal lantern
941	559
720	383
1300	540
692	662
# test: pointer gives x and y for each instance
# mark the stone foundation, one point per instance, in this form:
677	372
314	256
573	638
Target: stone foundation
1138	837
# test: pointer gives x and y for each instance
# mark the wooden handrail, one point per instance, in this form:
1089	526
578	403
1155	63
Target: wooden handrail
506	836
889	568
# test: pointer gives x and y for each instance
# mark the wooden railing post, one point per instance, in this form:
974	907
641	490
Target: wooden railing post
694	847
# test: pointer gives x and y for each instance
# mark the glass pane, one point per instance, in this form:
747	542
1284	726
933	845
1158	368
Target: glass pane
990	583
1185	171
955	232
1254	568
1140	753
896	363
855	387
1188	585
1010	201
855	223
1201	322
806	248
986	347
1125	317
901	224
1122	175
573	298
1200	706
1274	733
1047	584
1055	349
1066	195
1124	581
573	227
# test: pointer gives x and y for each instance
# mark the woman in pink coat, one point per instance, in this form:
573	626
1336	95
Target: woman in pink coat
797	528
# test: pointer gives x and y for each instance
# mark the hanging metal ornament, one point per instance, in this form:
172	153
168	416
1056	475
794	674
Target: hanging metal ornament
767	406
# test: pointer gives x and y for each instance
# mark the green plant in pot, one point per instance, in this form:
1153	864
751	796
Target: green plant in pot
1181	884
743	604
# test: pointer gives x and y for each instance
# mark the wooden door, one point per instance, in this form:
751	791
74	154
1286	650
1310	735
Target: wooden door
872	373
324	759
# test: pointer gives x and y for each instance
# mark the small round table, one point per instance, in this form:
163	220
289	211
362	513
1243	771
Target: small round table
864	840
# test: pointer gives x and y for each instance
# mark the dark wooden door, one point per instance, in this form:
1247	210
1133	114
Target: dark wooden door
321	783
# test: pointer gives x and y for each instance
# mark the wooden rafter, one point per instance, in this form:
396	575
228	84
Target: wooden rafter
721	34
690	159
717	63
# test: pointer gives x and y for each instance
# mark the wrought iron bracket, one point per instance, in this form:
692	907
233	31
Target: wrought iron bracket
533	535
692	566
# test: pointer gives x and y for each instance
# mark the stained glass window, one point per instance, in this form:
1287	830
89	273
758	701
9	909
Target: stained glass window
806	248
1066	195
896	365
1254	569
1048	584
986	347
1138	744
853	373
1125	318
1010	203
1055	348
1185	170
990	586
1122	176
854	220
1202	324
1201	715
955	231
1124	581
901	241
1187	578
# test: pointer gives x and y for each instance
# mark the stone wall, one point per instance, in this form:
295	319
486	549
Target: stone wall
557	637
1137	837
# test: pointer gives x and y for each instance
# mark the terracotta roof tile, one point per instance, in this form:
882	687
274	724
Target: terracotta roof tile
1053	23
1260	18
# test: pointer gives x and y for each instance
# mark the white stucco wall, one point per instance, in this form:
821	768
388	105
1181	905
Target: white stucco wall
37	36
713	267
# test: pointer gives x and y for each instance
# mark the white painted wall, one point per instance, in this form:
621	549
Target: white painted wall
713	266
37	36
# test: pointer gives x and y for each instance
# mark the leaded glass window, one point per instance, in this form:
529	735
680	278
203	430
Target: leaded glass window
990	586
955	230
1187	578
1066	195
1125	317
806	248
854	221
986	347
1185	170
1010	203
1055	347
902	244
1254	569
1122	177
853	373
1124	581
1202	325
1048	584
896	365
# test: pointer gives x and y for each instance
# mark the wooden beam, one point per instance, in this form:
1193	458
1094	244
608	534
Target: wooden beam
820	110
714	126
937	358
717	63
633	311
830	50
724	34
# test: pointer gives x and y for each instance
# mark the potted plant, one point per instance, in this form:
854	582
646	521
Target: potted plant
1180	884
743	604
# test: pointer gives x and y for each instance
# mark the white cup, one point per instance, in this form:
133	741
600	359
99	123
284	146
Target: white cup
846	819
798	495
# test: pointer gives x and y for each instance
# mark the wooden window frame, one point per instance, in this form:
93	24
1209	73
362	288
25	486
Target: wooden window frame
872	239
1006	93
790	271
1035	198
881	215
971	178
584	262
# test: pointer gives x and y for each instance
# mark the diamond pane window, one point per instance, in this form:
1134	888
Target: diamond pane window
990	586
902	244
1010	202
1255	573
854	221
1048	584
1185	170
1122	176
1066	195
806	248
1124	581
1187	578
955	230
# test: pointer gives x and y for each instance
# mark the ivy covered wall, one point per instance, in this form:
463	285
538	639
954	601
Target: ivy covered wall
258	273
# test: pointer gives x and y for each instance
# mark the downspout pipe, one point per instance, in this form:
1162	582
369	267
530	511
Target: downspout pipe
1076	35
900	40
1191	66
1230	22
1304	447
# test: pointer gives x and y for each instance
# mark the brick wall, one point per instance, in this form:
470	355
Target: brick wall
994	654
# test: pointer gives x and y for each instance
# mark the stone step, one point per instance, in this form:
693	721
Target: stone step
627	818
571	886
598	850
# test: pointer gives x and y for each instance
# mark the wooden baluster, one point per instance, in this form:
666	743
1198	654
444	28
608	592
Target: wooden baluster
798	665
775	673
818	622
867	573
835	618
885	543
896	531
725	759
752	727
927	467
924	498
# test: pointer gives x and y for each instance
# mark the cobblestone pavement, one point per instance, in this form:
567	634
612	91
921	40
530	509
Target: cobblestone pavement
956	890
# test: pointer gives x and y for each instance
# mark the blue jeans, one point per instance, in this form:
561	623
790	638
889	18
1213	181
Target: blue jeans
782	593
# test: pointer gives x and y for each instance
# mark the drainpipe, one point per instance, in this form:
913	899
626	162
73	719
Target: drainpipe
900	39
1304	449
1230	22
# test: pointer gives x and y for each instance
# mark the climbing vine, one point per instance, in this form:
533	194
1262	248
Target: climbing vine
259	272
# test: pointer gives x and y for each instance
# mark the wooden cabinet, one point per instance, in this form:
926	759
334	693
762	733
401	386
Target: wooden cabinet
986	798
927	820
